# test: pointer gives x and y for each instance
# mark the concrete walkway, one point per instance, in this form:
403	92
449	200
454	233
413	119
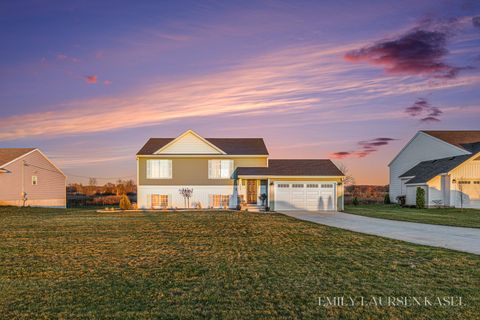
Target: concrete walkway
455	238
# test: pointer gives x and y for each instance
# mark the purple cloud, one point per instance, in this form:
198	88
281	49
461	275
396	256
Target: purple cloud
421	107
418	52
366	147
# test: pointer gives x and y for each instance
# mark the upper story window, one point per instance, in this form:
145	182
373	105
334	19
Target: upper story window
159	169
220	169
34	180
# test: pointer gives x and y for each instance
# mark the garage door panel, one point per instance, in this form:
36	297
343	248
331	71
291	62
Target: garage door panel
304	196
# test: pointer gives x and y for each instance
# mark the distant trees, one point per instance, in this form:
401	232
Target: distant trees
119	188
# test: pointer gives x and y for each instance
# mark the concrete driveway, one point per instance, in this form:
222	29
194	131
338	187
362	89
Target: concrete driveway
455	238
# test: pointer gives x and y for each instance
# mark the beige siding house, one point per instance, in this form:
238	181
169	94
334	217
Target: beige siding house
28	177
446	164
226	172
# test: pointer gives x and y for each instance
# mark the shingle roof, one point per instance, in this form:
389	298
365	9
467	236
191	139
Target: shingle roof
233	146
459	138
426	170
9	154
293	167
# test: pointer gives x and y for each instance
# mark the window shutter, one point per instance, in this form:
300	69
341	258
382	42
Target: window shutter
170	170
210	169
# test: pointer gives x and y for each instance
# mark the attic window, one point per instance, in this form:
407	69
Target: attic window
34	180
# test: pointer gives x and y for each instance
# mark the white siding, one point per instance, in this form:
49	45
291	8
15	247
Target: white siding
421	148
201	194
411	196
48	192
189	144
435	192
471	192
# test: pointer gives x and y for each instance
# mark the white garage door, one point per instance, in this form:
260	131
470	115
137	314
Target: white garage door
310	196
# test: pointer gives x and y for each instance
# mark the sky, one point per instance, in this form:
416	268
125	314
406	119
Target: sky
88	82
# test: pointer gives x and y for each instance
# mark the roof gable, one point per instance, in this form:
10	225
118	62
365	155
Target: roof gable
189	142
230	146
8	155
463	139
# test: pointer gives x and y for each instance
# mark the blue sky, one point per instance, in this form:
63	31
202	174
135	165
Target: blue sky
90	82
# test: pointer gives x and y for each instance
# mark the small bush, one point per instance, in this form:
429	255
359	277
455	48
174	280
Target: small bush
420	200
355	201
125	203
386	199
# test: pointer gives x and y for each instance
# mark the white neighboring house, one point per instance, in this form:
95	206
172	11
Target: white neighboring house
28	171
446	164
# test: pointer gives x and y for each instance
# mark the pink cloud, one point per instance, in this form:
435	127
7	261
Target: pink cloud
90	79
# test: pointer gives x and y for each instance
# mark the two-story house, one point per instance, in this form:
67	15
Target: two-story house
224	172
446	164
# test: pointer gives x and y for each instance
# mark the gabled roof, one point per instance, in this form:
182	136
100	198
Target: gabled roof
9	154
231	146
426	170
459	138
293	167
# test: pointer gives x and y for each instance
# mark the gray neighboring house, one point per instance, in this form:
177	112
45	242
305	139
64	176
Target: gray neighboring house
446	164
28	177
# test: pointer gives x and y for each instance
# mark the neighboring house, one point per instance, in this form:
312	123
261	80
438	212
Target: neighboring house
28	177
446	164
223	172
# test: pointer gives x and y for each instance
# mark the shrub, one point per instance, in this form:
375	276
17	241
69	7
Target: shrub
386	199
355	201
420	200
125	203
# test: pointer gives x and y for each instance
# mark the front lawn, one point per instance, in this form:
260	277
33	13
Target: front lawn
444	216
72	264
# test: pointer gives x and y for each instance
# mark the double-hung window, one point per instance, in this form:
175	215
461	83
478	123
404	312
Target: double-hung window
220	169
159	169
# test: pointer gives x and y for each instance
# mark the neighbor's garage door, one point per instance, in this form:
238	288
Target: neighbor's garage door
311	196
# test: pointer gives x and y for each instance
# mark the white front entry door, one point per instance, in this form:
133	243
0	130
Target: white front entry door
311	196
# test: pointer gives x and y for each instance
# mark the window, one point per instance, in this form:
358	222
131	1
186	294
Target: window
159	201
220	169
329	185
297	185
283	185
464	182
312	185
476	182
220	200
34	180
159	169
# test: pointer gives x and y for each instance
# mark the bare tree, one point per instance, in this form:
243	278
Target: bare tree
187	194
349	180
92	182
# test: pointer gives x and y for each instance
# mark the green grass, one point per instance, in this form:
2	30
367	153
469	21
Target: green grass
72	264
443	216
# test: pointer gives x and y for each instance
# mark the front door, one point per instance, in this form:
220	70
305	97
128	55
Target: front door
252	191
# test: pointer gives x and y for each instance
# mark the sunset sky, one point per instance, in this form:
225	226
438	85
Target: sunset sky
88	82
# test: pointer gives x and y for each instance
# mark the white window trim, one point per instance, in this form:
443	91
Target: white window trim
149	175
211	173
